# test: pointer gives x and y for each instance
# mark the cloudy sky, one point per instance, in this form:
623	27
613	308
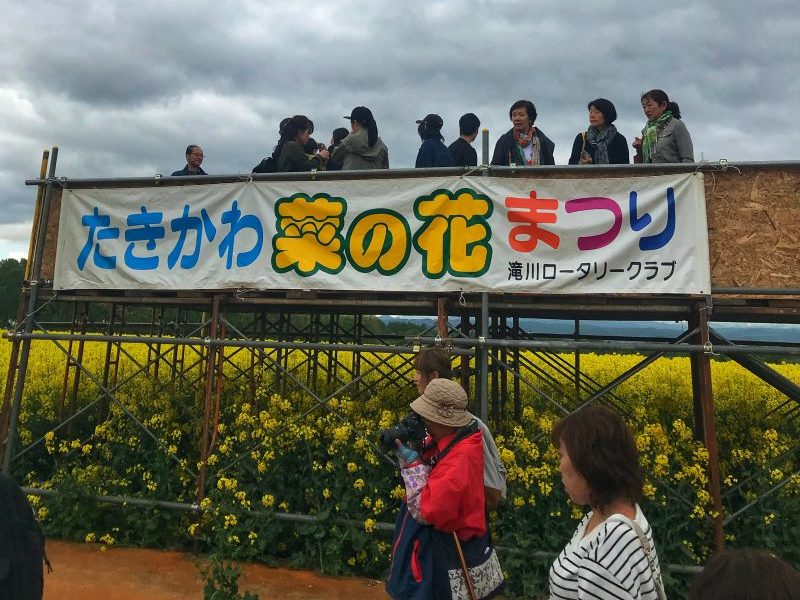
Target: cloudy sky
123	87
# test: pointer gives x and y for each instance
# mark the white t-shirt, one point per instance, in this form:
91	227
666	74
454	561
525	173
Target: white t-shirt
608	563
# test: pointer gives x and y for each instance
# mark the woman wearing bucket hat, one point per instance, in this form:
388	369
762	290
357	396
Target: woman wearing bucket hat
362	149
432	152
432	363
601	144
441	528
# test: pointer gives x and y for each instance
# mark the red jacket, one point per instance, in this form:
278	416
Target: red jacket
453	499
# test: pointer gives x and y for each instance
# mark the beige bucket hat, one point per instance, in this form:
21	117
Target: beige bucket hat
443	402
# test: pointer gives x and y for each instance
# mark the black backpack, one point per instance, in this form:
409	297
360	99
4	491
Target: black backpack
21	545
268	165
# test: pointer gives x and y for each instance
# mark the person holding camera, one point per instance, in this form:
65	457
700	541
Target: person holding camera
601	144
433	363
441	546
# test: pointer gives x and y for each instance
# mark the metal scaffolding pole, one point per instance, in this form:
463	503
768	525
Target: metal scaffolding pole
22	366
705	425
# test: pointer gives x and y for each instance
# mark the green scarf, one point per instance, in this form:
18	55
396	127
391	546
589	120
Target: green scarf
650	134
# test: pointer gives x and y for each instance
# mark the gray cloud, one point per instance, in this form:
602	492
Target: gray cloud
122	88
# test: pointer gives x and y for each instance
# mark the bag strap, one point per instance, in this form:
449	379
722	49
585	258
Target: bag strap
648	552
464	432
583	144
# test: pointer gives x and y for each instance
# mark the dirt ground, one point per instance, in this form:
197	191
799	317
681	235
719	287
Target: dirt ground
83	571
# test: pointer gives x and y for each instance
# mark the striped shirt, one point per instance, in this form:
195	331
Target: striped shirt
609	563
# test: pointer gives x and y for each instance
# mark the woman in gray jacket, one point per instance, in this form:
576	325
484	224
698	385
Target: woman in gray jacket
362	149
665	138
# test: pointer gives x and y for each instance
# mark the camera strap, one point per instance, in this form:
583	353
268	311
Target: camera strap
464	432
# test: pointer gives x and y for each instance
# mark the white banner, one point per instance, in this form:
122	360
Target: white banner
518	235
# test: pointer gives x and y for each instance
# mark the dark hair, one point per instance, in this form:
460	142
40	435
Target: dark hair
190	148
746	573
290	130
339	134
363	115
430	360
659	97
468	124
527	105
430	127
606	107
602	451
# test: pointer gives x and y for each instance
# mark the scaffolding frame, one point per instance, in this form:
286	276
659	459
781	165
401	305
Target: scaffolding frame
190	334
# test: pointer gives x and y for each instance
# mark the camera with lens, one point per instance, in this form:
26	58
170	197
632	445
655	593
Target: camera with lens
410	430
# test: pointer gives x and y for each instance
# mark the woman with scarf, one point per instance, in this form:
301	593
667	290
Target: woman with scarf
665	138
523	144
601	144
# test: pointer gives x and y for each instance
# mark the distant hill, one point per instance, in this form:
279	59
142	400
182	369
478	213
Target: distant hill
761	332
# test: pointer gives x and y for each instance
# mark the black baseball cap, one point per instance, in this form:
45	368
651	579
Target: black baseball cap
432	121
360	114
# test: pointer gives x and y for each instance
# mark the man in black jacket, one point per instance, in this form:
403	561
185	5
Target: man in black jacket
461	150
523	144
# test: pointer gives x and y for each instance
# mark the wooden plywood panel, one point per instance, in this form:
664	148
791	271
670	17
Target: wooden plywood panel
753	229
51	236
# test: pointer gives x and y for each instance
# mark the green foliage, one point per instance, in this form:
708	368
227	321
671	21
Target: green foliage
12	272
222	581
279	454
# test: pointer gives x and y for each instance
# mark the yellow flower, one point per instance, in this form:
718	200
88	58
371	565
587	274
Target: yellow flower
369	525
352	467
193	529
519	502
326	493
398	493
358	484
649	491
268	500
90	537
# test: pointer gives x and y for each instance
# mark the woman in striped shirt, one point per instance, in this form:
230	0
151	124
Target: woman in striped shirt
611	554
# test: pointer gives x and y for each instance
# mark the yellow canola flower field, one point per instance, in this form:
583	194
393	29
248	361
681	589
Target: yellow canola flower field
276	452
